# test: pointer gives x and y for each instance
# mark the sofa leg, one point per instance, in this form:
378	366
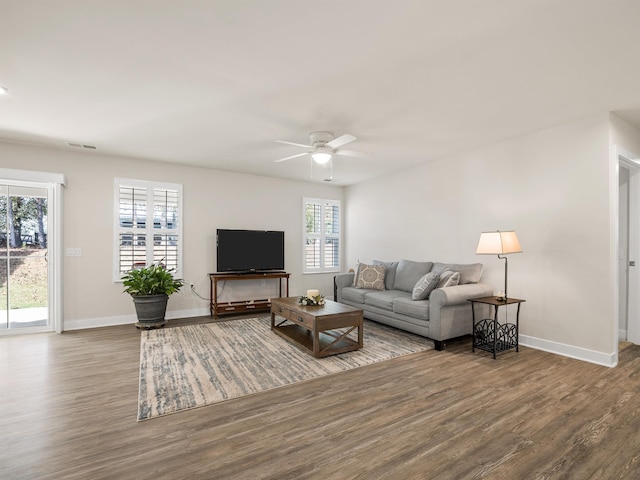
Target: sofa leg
439	345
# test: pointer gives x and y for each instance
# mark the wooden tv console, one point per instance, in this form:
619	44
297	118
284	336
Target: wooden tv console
216	308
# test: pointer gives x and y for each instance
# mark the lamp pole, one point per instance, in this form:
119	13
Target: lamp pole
506	263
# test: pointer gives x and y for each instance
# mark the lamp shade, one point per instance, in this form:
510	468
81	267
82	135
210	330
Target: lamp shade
498	243
321	157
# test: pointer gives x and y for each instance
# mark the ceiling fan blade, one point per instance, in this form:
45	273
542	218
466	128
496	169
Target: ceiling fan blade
352	153
342	140
292	156
296	144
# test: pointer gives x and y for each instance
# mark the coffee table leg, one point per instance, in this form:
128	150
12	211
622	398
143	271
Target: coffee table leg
360	334
316	342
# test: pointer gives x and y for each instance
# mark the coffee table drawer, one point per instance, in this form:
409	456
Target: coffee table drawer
302	319
282	311
296	317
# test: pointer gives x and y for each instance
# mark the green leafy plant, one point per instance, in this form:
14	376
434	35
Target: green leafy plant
152	280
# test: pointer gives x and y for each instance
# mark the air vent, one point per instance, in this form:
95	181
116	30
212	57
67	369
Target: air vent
82	145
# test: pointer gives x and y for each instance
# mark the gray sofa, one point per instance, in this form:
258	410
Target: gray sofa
390	293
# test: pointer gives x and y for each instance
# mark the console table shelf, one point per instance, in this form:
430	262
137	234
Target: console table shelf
216	308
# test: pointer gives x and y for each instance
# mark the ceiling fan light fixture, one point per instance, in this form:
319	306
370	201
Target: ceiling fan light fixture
321	157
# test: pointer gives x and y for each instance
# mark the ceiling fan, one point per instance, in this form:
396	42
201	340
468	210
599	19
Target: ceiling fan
323	146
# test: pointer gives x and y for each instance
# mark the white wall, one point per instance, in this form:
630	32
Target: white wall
624	135
551	187
212	199
554	187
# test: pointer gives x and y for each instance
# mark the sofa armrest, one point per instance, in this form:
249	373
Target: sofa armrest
450	311
443	297
340	281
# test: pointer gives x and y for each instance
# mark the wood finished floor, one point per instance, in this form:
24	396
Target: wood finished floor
68	411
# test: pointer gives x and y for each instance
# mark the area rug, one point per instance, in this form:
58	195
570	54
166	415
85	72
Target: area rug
196	365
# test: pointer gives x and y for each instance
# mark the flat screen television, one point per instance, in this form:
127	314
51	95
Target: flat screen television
245	251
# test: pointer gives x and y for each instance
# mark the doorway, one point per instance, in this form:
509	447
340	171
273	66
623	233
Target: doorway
30	287
24	271
629	248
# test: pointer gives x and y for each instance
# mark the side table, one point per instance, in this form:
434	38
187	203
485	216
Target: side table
490	335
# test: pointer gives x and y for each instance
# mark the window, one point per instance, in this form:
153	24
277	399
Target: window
321	235
148	225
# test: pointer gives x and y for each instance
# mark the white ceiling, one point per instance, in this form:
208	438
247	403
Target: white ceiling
213	83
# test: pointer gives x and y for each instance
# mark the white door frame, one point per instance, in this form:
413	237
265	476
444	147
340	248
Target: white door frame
54	183
630	161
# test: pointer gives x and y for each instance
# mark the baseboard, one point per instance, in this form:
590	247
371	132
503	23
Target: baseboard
622	335
129	319
591	356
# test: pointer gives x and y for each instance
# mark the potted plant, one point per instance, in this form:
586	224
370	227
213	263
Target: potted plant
150	288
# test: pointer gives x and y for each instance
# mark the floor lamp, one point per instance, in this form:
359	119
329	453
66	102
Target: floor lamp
499	243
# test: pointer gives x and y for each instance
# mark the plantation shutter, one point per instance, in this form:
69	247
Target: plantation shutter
321	235
148	225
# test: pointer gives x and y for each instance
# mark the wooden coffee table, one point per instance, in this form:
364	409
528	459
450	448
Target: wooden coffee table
321	331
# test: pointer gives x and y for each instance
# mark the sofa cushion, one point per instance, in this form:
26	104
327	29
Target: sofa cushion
385	298
449	278
408	273
389	273
355	295
425	286
469	273
411	308
370	276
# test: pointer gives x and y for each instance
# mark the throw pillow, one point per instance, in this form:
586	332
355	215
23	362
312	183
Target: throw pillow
355	275
449	279
425	286
389	273
370	276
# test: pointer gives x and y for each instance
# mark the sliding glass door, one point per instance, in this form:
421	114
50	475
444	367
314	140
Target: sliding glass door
24	268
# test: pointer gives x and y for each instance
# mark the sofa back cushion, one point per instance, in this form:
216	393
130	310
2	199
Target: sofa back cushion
389	273
469	272
408	273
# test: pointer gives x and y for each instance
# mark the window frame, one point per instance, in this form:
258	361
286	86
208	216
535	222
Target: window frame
149	230
321	236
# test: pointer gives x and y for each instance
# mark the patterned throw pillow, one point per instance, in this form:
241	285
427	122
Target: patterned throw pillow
370	276
449	279
425	286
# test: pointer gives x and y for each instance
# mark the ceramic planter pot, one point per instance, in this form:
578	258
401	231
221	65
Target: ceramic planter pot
151	310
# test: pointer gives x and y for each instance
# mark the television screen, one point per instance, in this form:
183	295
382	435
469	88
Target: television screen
250	250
